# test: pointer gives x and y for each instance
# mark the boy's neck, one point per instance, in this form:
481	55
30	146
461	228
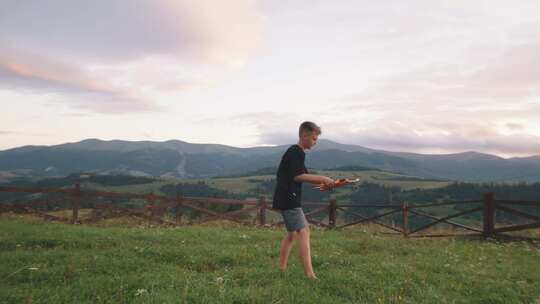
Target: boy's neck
300	145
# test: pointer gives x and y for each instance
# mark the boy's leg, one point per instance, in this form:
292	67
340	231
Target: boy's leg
286	245
305	252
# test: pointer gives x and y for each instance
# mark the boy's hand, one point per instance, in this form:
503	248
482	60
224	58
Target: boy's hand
327	184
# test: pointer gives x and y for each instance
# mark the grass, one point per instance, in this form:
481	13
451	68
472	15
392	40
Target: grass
238	185
59	263
135	188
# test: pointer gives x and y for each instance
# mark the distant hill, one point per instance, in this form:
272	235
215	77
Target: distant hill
180	159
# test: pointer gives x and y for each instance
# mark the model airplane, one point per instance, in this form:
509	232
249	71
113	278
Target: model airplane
338	183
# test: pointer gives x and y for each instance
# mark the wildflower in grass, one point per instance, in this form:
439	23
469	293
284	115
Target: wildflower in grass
141	292
33	268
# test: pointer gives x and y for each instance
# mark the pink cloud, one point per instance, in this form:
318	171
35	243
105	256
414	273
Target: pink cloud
111	57
35	73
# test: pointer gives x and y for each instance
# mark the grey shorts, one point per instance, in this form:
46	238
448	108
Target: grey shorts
294	219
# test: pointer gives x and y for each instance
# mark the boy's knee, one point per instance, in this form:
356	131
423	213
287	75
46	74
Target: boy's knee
292	235
304	231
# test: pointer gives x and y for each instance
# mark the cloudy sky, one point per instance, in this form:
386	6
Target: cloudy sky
420	76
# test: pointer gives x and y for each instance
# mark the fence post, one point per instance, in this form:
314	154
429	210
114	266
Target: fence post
489	214
405	213
76	196
332	211
262	211
179	200
47	203
151	204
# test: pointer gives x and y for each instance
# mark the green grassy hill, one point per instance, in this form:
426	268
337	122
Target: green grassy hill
58	263
374	176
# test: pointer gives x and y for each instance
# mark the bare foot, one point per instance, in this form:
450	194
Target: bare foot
312	277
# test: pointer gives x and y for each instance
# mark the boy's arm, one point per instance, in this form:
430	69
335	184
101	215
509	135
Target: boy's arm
314	179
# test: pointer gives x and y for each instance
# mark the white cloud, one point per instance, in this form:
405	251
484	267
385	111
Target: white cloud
111	56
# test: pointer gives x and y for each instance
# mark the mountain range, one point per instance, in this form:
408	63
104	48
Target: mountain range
180	159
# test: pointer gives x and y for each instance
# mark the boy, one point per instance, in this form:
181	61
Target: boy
288	195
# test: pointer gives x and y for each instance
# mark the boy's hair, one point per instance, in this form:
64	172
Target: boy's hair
309	127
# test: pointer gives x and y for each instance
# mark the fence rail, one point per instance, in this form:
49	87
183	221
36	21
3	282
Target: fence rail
156	205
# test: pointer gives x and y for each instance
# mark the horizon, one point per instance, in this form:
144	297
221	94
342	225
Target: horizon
436	77
259	146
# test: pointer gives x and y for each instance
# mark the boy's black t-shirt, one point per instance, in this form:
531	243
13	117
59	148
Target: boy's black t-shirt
288	193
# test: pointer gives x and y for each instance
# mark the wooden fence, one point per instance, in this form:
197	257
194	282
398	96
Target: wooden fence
156	205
